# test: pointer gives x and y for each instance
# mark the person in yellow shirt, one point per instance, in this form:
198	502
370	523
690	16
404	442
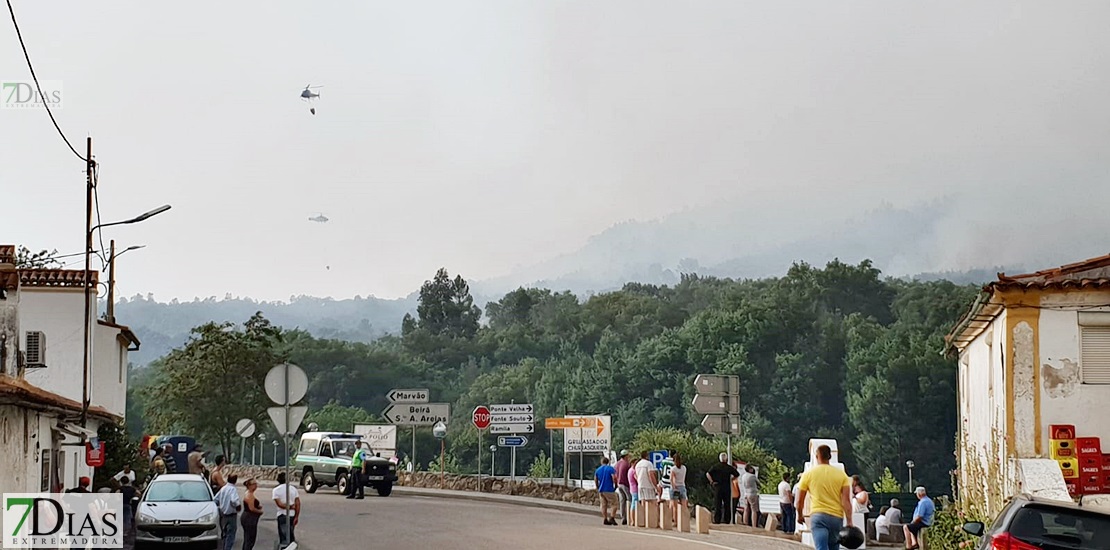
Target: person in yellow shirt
830	507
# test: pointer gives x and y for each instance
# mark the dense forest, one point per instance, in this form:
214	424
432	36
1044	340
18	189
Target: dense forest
836	352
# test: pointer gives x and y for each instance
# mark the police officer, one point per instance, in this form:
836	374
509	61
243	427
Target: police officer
357	482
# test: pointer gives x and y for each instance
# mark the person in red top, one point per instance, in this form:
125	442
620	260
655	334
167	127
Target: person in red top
624	492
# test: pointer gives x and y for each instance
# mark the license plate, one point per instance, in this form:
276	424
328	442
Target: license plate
176	539
376	478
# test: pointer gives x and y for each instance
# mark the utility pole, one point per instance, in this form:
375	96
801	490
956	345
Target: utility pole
112	282
90	182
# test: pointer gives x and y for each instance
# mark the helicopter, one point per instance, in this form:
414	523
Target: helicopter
319	218
308	95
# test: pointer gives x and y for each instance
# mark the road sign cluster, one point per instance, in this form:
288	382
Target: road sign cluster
411	408
511	418
718	398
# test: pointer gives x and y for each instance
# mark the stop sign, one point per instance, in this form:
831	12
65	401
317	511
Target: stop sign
481	417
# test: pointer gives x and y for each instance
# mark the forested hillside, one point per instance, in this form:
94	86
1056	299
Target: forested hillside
834	352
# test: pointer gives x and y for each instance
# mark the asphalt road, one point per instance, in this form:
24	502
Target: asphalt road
401	522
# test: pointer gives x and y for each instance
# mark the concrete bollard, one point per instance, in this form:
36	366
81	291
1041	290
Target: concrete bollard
653	515
641	514
666	515
683	519
703	517
772	522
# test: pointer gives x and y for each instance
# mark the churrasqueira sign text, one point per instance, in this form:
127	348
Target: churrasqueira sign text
75	520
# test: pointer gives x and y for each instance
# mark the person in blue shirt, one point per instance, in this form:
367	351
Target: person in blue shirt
606	478
922	518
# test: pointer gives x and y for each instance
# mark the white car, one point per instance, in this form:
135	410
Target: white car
177	509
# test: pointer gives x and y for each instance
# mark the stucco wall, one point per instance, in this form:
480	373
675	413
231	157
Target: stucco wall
57	313
24	434
983	407
109	371
1064	400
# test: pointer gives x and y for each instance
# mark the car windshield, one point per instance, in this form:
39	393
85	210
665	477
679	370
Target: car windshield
178	491
1061	528
345	447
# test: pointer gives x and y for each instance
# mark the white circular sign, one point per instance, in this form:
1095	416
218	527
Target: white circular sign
276	388
244	427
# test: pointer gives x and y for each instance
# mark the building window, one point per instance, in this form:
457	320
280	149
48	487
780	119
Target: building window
1094	347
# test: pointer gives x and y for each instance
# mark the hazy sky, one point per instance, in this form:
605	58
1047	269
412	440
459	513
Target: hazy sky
482	136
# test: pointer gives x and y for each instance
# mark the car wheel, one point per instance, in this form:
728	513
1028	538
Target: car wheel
341	482
308	481
385	489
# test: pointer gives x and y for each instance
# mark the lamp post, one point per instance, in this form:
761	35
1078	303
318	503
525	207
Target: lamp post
111	268
86	284
910	465
492	460
275	442
440	432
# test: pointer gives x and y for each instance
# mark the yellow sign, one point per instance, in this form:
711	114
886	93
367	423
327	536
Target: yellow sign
574	423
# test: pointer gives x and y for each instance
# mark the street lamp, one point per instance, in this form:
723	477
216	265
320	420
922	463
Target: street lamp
492	460
910	465
111	269
275	442
89	228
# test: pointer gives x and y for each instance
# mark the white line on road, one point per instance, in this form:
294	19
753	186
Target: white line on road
692	541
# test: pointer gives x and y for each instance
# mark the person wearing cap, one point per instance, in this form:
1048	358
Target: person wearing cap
922	518
82	485
624	491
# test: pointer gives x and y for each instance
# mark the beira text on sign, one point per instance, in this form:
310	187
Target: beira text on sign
417	414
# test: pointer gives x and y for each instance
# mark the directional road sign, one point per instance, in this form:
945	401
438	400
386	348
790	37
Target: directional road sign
512	441
594	434
717	384
515	408
512	428
717	404
481	417
408	396
513	418
721	424
417	414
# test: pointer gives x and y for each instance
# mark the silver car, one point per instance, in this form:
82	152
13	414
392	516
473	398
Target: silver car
177	510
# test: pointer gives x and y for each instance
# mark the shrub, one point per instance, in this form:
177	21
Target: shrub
541	467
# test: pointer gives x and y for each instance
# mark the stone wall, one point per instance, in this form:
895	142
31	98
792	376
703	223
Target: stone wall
526	487
266	473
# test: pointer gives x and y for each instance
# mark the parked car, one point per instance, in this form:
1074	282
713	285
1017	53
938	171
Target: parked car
324	458
1030	523
177	510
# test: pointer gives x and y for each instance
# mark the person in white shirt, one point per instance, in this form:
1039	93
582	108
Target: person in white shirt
125	472
786	505
882	523
646	479
286	507
228	502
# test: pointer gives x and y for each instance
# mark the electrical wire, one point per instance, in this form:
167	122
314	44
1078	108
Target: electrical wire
102	253
34	77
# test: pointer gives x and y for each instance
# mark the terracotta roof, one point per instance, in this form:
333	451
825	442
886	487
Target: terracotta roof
57	278
124	330
1091	273
21	390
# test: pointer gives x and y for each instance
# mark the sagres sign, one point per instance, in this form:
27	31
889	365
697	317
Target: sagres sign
23	94
76	520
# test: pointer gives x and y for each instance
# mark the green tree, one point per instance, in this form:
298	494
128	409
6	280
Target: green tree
43	259
887	484
214	380
334	417
446	307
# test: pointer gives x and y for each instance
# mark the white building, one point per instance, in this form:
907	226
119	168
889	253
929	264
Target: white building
1034	350
41	381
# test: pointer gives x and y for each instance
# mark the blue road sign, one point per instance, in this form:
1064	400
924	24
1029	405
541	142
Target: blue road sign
512	441
657	458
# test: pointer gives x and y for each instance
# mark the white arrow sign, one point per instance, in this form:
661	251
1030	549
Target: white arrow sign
408	396
509	418
512	428
417	414
296	416
514	408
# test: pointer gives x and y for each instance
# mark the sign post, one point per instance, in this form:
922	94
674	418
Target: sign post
512	418
400	396
245	428
481	419
718	397
286	384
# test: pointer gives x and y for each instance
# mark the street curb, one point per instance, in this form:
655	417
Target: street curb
498	499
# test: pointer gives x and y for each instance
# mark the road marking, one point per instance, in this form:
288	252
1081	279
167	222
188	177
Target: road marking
702	542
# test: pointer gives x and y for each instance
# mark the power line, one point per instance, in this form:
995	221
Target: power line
39	87
96	200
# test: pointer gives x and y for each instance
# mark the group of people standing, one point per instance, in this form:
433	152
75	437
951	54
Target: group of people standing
636	479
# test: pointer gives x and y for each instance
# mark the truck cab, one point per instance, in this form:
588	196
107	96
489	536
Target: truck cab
324	458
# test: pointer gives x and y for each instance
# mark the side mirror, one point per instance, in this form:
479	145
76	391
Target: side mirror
974	528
